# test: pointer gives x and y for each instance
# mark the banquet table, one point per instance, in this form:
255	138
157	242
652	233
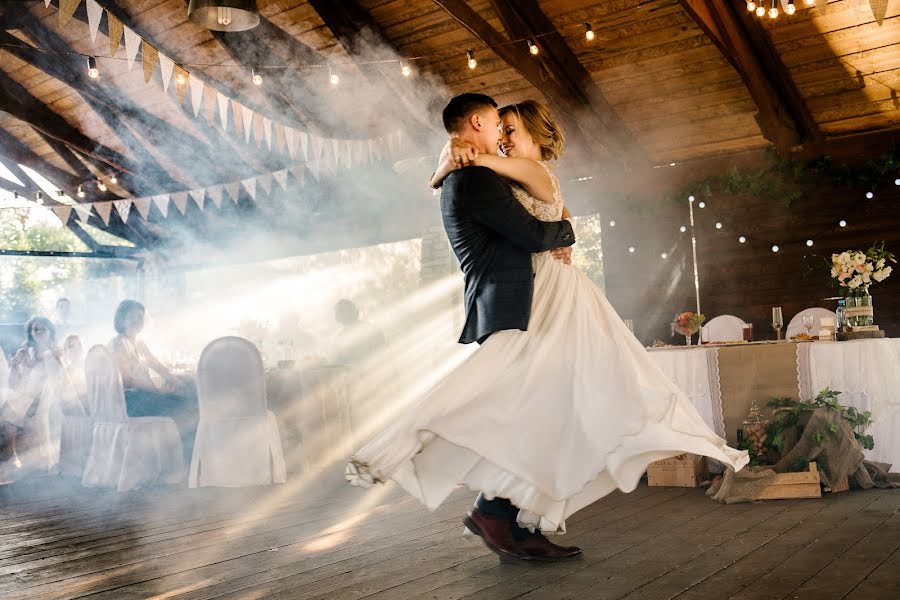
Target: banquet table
722	381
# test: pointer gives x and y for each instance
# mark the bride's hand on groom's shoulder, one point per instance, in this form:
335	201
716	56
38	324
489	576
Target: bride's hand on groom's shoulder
462	153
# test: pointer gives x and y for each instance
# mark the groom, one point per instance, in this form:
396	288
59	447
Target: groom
493	237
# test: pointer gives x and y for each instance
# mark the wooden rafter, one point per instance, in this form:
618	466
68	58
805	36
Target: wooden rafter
783	116
574	96
19	153
347	20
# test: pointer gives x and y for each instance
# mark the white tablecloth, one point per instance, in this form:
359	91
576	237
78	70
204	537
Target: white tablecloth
696	372
867	373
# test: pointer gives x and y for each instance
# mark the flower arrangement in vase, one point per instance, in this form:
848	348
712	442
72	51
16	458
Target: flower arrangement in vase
853	271
687	324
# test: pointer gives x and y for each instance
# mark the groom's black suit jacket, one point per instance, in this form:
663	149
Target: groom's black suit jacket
494	237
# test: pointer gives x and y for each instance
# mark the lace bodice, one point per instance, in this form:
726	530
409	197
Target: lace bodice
545	211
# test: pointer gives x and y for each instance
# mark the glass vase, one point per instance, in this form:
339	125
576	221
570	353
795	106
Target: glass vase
859	310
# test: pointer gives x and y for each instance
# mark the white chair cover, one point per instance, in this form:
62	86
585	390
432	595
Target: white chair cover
724	328
125	453
75	438
796	325
237	443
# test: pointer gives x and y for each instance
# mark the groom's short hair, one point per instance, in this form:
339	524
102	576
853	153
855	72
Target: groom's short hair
461	107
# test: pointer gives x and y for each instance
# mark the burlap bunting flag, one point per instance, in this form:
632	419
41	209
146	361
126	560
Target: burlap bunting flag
67	8
236	111
879	9
181	82
209	101
279	138
116	31
149	56
258	129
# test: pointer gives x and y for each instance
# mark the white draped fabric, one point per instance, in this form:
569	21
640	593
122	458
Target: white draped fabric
126	453
724	328
696	373
238	442
867	373
796	327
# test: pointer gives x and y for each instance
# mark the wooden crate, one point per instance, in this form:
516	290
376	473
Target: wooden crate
684	470
793	485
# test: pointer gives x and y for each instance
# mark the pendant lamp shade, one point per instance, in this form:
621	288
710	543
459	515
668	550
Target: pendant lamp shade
224	15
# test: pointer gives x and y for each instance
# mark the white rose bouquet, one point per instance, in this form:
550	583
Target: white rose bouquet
854	269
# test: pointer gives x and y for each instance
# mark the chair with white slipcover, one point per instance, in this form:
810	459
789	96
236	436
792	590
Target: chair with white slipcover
796	327
724	328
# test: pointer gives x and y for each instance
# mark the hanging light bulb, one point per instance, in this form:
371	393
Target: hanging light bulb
809	2
773	12
775	248
897	181
718	226
751	6
742	239
631	249
588	32
224	15
842	223
257	78
870	195
690	198
80	192
113	179
612	223
790	8
532	47
93	71
404	69
809	243
39	197
683	229
470	55
664	256
761	10
702	204
333	77
101	186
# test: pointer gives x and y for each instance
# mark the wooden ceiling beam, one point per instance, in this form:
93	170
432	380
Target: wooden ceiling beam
782	116
576	105
360	34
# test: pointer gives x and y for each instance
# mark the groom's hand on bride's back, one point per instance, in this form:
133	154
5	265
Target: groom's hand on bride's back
564	254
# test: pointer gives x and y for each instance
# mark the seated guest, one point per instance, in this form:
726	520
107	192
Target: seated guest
31	369
75	396
144	397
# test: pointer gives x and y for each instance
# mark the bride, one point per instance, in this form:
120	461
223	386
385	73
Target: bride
552	418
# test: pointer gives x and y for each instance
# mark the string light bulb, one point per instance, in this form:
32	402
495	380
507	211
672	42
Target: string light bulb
532	47
718	226
809	2
690	198
404	69
470	55
683	229
257	78
870	195
790	8
664	256
113	179
842	223
775	248
631	249
742	239
333	77
751	6
809	243
761	10
80	192
702	204
588	32
773	12
93	71
101	186
612	223
897	181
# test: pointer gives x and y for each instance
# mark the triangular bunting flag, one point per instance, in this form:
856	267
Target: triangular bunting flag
313	167
215	193
209	97
180	201
250	186
281	178
123	207
304	144
290	141
149	56
267	130
67	8
237	117
196	94
182	78
199	196
103	209
47	3
84	212
142	205
94	12
879	9
348	154
280	142
329	156
162	203
247	115
234	190
822	6
63	212
115	28
223	108
257	129
299	173
166	66
316	147
371	144
265	182
132	45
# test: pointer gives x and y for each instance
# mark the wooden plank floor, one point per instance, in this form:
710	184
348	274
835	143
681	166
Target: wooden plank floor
318	538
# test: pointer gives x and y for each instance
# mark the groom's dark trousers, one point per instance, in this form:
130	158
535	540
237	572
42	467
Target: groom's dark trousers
493	236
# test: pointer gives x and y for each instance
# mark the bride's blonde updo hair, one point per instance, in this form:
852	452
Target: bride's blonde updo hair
535	117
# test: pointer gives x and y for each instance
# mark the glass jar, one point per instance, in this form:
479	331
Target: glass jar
755	428
859	310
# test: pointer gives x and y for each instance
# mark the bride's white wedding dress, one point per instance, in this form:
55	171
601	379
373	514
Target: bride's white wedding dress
552	418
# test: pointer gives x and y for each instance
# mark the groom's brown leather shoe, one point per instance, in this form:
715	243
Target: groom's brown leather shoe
497	534
539	548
